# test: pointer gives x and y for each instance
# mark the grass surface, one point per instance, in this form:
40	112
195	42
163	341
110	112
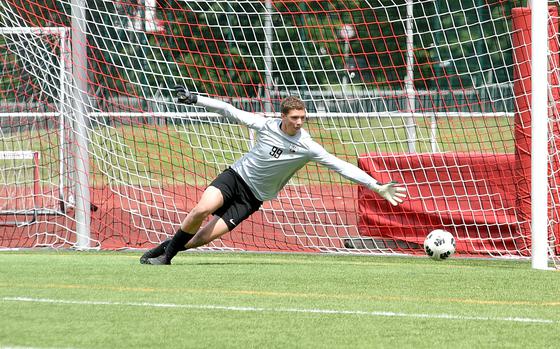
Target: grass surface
231	300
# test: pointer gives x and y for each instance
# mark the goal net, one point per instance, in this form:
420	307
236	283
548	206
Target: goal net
434	94
21	191
35	164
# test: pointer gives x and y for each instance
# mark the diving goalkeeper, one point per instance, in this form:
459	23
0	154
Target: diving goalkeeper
282	147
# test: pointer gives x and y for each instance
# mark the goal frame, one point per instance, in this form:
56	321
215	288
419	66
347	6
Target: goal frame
36	210
539	134
63	201
538	238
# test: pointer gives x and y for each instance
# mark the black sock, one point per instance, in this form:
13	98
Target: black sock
160	249
177	244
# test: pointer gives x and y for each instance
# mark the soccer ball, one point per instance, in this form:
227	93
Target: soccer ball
439	244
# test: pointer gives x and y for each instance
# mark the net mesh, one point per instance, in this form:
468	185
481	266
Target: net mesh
429	93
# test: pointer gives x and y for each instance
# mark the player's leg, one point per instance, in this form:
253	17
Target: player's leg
226	218
211	200
214	229
236	204
154	252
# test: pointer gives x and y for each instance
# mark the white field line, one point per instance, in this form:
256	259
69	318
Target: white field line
18	347
282	310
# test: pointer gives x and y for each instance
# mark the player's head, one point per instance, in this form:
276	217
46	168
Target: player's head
293	115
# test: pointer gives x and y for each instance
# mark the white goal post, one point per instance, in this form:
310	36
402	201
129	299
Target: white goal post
63	37
14	37
539	144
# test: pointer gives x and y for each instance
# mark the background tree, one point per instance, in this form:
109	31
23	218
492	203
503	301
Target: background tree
218	46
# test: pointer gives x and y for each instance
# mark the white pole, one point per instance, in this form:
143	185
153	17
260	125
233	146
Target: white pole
268	56
150	8
62	108
539	134
347	32
346	56
433	133
409	78
81	158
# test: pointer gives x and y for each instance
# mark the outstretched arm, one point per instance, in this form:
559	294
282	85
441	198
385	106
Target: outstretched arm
251	120
392	191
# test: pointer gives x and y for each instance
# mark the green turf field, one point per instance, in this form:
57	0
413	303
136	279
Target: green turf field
230	300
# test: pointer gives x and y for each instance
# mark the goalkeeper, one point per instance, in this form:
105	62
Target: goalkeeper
282	147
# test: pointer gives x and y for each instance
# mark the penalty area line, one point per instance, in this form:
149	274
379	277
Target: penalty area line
281	310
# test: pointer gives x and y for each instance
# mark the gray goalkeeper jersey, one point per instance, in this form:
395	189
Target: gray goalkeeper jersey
276	156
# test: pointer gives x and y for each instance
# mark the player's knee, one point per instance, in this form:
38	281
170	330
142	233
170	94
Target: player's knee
200	212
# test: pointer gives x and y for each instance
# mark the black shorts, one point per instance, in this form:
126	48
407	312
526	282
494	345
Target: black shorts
239	201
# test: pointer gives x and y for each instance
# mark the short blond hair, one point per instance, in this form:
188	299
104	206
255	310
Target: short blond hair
290	103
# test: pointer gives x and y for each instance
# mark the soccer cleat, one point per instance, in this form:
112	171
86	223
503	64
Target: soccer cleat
160	260
154	252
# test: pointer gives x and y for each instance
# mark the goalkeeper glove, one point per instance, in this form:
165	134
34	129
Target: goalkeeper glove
392	192
184	96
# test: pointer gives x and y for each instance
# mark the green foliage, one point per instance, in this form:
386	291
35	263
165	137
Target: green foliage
463	43
218	46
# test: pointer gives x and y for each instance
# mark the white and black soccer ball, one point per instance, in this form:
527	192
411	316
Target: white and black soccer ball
439	244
